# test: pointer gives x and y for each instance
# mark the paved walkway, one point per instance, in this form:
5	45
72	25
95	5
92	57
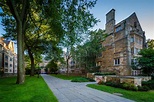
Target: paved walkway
67	91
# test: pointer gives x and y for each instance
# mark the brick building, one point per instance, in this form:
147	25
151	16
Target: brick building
8	58
122	45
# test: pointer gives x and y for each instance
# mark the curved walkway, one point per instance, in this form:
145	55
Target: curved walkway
67	91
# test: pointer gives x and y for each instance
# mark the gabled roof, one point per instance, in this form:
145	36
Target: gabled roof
133	14
6	42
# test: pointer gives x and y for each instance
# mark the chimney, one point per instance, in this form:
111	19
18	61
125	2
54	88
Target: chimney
110	21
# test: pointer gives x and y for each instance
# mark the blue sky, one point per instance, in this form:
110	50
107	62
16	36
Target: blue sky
124	8
144	10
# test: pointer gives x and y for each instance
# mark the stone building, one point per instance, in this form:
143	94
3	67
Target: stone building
124	41
8	58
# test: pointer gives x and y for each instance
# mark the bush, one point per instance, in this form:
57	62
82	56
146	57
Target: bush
109	83
143	88
126	86
133	87
149	84
91	80
79	80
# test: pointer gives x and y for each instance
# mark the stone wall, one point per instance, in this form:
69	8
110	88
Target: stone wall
137	80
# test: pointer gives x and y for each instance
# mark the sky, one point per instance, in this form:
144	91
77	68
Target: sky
144	10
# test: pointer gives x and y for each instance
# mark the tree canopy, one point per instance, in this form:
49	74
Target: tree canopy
146	61
69	18
150	43
86	54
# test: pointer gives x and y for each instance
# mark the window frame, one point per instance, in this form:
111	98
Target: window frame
117	61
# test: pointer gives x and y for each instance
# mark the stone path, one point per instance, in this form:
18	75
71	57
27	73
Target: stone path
67	91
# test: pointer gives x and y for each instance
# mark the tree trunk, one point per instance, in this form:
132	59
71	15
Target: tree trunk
20	64
67	66
32	62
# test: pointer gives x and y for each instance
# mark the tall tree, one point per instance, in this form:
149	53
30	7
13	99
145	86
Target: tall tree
65	16
85	55
76	22
19	10
39	34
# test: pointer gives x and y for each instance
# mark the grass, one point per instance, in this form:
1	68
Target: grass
73	78
133	95
65	77
33	90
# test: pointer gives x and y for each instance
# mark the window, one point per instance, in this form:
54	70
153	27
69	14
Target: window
6	64
132	50
140	41
118	28
137	40
6	70
135	24
99	63
134	61
10	65
6	57
136	50
10	59
117	61
132	39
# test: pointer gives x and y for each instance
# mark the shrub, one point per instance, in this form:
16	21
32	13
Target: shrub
91	80
126	86
109	83
149	84
79	80
133	87
143	88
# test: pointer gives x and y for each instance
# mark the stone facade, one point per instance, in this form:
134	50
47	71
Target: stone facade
122	45
8	59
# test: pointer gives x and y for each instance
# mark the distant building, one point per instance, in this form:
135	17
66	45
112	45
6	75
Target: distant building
71	64
42	65
8	59
122	45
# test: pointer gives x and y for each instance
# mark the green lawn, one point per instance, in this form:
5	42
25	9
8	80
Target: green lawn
133	95
33	90
65	77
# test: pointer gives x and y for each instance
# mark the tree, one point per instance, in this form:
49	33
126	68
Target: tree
86	54
52	65
76	23
38	35
146	61
150	43
21	10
